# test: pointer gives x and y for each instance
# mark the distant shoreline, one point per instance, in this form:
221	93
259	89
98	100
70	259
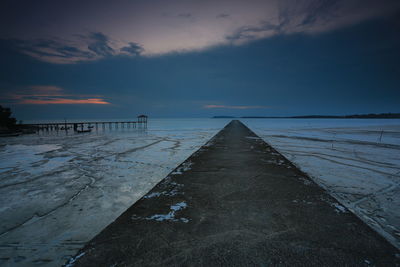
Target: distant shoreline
355	116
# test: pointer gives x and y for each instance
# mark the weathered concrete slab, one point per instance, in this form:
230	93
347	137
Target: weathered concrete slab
237	202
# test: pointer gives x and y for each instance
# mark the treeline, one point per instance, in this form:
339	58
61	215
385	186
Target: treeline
354	116
6	121
377	116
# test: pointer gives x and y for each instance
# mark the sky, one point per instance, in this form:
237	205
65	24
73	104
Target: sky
184	58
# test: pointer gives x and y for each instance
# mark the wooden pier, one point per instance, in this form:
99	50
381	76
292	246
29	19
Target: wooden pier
141	122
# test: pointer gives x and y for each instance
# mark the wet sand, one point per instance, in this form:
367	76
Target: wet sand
237	202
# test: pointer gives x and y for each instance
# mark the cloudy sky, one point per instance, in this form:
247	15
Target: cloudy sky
185	58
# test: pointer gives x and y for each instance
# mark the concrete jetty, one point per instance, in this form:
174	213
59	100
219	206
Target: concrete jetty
237	202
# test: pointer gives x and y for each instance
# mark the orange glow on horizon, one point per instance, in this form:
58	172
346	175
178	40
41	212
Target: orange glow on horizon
50	94
97	101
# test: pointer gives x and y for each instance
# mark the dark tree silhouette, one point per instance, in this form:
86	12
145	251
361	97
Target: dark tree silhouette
6	121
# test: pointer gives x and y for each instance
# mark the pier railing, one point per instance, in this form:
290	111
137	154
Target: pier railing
88	126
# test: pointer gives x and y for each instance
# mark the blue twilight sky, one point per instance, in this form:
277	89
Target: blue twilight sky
116	59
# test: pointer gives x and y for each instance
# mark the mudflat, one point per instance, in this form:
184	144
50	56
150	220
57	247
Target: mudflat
237	202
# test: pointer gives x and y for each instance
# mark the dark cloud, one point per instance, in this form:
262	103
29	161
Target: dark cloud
313	16
92	46
188	26
51	48
340	72
312	12
322	9
185	15
133	49
222	15
252	32
99	44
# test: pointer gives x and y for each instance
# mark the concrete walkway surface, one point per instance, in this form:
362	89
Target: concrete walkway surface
237	202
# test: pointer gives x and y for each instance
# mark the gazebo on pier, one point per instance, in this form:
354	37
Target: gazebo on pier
142	119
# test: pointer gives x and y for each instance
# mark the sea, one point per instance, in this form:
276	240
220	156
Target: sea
59	189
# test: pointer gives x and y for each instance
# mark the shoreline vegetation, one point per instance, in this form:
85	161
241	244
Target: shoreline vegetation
9	126
354	116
